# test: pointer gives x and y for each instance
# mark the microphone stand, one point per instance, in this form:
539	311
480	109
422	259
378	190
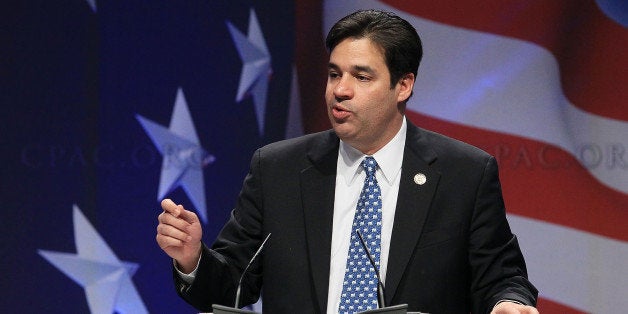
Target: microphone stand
381	301
221	309
380	286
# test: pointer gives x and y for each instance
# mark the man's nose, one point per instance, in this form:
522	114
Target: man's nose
343	90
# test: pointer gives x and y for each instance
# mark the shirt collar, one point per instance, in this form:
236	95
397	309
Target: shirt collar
389	158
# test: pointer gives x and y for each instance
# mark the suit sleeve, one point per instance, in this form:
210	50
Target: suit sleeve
497	264
221	265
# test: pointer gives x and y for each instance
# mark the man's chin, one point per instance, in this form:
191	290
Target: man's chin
344	130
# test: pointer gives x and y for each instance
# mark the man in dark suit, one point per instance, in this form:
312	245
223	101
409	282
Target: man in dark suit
443	244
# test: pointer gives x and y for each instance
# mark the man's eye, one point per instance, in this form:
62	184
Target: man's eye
362	78
333	75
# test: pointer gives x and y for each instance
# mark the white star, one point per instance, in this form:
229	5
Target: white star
256	66
106	279
92	4
183	156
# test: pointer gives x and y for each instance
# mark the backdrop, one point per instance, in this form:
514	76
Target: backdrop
110	106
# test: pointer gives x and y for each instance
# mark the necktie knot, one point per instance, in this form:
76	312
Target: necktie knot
370	165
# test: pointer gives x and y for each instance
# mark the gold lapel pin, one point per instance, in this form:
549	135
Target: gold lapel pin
420	178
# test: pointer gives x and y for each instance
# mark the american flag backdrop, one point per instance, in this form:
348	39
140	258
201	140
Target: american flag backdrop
109	106
542	86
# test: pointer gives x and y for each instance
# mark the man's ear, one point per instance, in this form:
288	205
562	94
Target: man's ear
405	84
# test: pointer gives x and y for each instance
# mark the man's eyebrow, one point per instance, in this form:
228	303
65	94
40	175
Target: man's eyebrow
363	68
355	68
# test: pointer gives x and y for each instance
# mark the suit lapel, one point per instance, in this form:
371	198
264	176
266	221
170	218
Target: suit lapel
318	184
413	204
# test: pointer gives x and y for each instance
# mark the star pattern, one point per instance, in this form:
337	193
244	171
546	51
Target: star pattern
359	289
183	156
256	66
96	268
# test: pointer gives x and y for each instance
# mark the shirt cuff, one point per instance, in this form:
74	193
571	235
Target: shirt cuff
187	278
507	300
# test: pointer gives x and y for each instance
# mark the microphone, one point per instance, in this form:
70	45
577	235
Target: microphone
380	286
219	309
397	309
383	309
237	298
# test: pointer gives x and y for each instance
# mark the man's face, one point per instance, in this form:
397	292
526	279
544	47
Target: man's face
361	105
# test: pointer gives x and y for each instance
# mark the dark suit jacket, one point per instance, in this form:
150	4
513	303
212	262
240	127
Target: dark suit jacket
451	250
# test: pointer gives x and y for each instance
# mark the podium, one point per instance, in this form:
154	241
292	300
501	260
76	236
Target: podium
396	309
221	309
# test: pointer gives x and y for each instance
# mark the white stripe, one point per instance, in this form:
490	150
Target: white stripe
506	85
580	269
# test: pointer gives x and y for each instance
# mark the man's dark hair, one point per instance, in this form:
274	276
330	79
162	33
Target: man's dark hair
397	38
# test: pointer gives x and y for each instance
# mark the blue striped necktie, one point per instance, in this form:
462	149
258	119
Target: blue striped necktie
359	288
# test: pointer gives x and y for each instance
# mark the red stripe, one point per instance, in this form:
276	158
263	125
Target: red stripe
544	182
311	62
546	306
589	47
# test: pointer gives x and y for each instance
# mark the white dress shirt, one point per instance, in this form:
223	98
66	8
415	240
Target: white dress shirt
349	181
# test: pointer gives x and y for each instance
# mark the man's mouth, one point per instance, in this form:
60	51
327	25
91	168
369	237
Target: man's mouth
339	112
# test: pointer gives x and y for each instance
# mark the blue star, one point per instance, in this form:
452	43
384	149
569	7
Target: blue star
183	156
95	267
256	66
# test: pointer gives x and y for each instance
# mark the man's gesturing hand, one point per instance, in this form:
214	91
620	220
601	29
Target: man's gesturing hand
179	235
